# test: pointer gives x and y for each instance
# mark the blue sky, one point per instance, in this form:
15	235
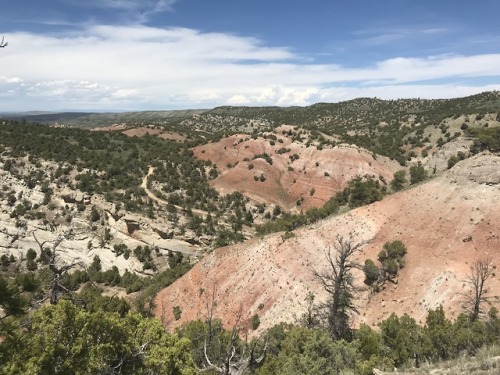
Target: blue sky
173	54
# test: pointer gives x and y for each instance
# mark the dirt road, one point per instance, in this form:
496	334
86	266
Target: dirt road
151	195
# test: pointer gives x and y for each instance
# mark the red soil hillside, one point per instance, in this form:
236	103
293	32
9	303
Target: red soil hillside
446	223
316	175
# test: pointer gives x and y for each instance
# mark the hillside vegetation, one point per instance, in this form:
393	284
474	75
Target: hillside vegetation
183	242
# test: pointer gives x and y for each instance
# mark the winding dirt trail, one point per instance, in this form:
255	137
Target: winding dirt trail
151	195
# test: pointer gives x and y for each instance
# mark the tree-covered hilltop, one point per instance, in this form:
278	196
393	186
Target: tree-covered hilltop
362	113
386	127
393	128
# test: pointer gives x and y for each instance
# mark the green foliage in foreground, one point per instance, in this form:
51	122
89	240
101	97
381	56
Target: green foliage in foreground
71	339
66	339
400	341
302	350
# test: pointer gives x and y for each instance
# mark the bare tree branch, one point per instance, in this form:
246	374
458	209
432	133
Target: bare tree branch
232	359
481	271
3	43
58	271
338	282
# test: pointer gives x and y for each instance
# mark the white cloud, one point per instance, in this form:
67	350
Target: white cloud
238	100
137	11
283	96
118	67
10	79
147	6
435	67
385	36
125	93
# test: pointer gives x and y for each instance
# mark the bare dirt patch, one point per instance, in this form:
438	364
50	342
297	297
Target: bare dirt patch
141	132
172	136
300	172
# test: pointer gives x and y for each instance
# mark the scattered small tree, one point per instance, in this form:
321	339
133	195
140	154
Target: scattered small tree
417	173
454	159
399	180
176	310
310	318
391	257
57	269
372	273
255	321
94	214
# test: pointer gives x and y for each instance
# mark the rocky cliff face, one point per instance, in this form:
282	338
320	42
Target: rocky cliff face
446	223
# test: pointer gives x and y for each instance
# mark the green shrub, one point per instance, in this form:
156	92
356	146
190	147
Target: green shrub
371	271
255	321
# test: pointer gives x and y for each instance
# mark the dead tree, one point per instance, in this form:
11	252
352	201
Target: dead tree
481	271
3	43
232	359
49	257
338	282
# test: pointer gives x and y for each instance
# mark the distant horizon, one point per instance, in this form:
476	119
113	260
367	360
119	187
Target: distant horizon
90	111
103	111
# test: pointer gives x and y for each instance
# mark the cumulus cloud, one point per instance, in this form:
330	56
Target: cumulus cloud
141	67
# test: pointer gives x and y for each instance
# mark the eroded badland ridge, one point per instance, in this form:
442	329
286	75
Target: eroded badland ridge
446	223
292	170
200	182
